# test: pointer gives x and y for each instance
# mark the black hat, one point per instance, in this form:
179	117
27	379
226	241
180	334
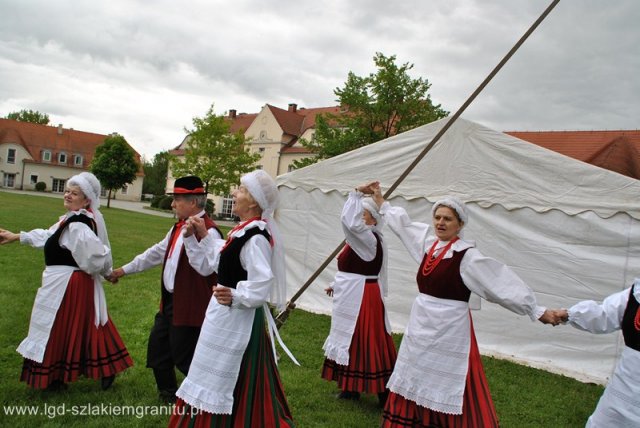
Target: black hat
189	185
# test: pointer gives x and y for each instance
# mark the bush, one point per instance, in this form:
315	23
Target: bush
165	203
155	201
41	186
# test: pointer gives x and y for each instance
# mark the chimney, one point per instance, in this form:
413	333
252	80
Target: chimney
232	113
60	129
293	107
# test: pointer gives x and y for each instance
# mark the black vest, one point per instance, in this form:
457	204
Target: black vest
349	261
631	323
230	270
54	254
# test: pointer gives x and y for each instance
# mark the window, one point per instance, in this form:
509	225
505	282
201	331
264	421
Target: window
46	156
77	160
9	180
58	185
33	179
124	190
11	156
261	150
62	157
291	168
263	135
103	192
227	205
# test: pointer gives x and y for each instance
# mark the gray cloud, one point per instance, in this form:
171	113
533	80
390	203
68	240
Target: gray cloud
145	69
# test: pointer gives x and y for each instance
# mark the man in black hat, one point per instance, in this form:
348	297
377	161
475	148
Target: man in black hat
186	286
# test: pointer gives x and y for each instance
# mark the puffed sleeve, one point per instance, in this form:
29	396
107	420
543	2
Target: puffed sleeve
600	318
497	283
412	234
358	235
255	257
86	248
37	237
204	255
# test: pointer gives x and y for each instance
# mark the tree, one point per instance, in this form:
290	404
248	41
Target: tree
114	164
376	107
31	116
155	174
214	154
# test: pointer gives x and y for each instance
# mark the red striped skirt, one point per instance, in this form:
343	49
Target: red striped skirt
76	347
477	406
258	398
372	353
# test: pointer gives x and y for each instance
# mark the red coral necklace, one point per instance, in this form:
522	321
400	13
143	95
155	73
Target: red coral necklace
431	262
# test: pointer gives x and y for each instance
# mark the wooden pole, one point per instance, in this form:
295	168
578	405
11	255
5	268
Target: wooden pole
282	317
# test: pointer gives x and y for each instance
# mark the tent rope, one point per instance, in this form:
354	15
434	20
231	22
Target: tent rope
282	317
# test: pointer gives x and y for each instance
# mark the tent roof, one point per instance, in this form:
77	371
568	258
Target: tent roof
478	165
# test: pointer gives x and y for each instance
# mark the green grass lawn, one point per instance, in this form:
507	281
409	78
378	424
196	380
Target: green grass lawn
524	397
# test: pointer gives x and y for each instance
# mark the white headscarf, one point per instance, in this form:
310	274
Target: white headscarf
90	187
455	204
264	191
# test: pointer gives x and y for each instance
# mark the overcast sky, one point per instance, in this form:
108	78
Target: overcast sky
144	69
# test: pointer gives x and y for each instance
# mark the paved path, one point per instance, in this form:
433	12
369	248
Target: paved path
141	207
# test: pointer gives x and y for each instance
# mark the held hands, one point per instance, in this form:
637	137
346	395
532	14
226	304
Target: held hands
554	316
115	275
195	225
329	291
368	188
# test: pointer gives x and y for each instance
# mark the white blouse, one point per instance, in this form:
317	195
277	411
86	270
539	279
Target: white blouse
619	405
433	359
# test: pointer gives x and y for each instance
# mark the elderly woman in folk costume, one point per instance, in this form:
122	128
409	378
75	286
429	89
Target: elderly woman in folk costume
359	350
619	405
233	380
438	379
70	333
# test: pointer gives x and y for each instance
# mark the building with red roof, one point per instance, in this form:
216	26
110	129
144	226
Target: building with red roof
32	153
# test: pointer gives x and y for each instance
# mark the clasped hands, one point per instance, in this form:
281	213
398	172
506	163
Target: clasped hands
194	225
554	316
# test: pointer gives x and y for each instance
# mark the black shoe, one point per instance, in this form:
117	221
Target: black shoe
382	398
107	381
167	397
348	395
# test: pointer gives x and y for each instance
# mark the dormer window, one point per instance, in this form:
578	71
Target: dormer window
77	160
62	157
46	156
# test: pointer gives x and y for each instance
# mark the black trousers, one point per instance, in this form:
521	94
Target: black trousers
170	346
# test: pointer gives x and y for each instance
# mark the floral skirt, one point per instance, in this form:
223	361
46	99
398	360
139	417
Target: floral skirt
372	353
76	346
477	406
258	398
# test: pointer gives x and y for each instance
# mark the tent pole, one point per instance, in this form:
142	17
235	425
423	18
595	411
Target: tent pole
282	317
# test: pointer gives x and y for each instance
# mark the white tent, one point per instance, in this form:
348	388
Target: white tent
569	229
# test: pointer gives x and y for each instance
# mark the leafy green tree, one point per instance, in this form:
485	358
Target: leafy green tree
31	116
378	106
155	174
114	164
214	154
